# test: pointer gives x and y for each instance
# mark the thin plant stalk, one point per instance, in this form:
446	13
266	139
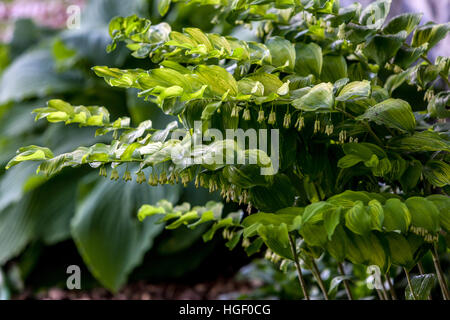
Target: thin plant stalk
346	285
440	274
383	290
319	279
380	295
391	287
420	267
408	278
299	269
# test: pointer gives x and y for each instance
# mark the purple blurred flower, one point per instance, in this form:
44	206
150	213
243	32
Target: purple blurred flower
48	13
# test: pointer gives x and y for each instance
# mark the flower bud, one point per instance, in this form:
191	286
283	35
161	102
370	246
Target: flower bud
272	118
114	175
287	120
261	116
127	176
246	116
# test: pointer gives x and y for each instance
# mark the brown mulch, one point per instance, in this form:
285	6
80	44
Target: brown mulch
222	288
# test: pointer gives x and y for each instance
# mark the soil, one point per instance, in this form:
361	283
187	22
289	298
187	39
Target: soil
222	288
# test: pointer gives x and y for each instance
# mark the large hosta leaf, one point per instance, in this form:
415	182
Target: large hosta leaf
394	113
40	215
33	75
107	233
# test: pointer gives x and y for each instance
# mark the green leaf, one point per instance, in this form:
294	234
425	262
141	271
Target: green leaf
397	216
34	218
394	113
218	80
437	173
430	33
270	82
357	152
374	15
443	204
279	195
273	219
358	220
30	153
250	87
375	209
367	250
331	219
110	239
314	234
336	281
282	52
33	75
381	48
210	109
400	250
349	161
333	69
315	212
277	239
163	7
403	22
406	56
309	59
421	285
349	198
320	98
355	90
338	244
412	174
439	105
420	142
200	37
424	214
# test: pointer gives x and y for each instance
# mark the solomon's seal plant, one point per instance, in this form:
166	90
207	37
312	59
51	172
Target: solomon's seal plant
363	140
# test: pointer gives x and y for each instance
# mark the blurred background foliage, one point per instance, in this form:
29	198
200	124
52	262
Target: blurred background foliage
77	217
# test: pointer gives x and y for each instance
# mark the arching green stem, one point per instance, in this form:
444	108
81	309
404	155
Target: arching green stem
316	273
391	287
299	269
346	285
408	278
440	274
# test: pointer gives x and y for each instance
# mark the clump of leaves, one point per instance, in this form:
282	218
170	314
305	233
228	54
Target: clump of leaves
364	168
